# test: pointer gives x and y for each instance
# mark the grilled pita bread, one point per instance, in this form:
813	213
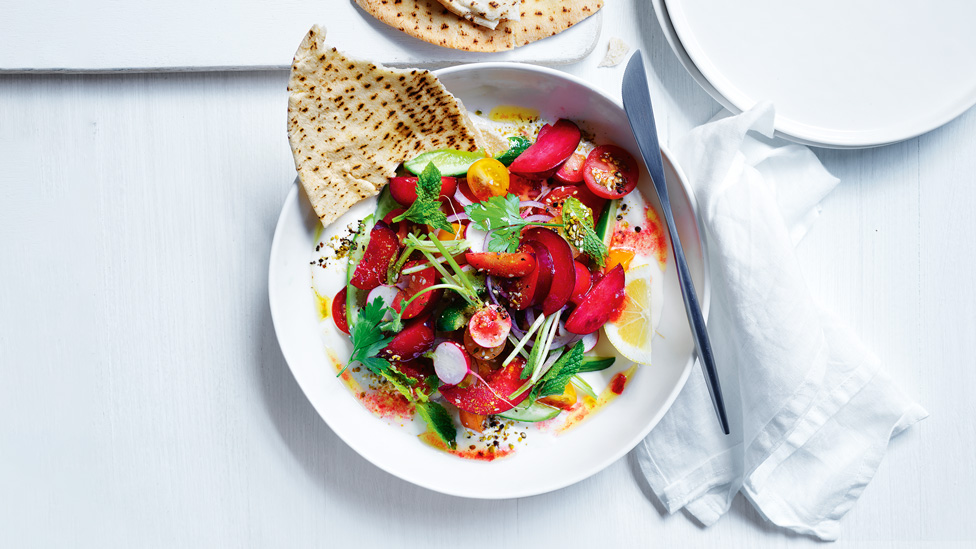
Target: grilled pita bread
431	22
351	123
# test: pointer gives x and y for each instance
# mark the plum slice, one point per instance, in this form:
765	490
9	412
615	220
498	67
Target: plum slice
530	289
411	342
599	304
560	265
382	248
553	146
415	283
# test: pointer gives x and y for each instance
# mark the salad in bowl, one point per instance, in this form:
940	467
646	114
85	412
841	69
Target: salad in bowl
443	299
477	290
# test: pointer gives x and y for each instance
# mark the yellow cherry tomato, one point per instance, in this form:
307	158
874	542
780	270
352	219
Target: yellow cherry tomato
487	178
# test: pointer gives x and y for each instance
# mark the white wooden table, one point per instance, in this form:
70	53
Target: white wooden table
144	400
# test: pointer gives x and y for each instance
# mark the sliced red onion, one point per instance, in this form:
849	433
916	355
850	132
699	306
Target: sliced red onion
540	218
457	217
461	199
563	341
590	341
532	204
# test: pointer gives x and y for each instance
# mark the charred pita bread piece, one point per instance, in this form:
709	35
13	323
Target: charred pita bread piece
351	123
432	22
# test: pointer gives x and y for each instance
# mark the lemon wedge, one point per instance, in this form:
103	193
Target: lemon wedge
631	332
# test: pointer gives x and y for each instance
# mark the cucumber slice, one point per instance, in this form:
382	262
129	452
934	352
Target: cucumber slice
607	221
454	317
596	364
359	243
385	203
449	162
531	413
517	146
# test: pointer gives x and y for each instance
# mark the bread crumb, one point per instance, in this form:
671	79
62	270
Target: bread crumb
617	50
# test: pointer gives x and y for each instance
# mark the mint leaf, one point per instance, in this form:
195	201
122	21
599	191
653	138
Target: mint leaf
516	146
367	338
426	210
578	225
555	380
439	421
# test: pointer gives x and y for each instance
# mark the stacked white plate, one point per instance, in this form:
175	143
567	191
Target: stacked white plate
841	73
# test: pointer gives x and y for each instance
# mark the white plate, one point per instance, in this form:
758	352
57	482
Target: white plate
546	463
842	73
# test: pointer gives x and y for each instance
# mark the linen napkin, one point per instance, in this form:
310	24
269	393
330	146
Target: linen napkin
811	411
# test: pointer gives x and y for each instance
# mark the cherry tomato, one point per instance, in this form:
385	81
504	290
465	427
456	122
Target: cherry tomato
610	171
554	200
487	178
339	311
502	264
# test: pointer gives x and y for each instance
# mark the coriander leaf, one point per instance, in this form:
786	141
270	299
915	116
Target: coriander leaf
578	224
500	215
555	380
516	146
438	421
427	208
367	338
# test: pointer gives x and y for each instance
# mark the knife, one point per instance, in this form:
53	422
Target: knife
637	104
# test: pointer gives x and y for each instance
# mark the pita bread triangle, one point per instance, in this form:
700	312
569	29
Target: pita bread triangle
351	123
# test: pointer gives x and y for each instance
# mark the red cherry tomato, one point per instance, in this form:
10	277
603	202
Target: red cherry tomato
502	264
554	200
339	311
404	189
610	171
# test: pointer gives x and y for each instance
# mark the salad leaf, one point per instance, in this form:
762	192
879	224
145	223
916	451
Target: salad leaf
578	224
555	380
367	338
448	161
516	146
439	421
500	215
426	209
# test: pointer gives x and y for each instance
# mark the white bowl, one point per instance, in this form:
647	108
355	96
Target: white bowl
547	462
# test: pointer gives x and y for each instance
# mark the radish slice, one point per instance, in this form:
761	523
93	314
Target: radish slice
387	294
451	363
489	327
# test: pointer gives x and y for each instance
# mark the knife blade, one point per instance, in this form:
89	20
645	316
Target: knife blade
640	113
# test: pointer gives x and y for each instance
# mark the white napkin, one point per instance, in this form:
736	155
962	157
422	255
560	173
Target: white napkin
810	410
